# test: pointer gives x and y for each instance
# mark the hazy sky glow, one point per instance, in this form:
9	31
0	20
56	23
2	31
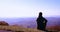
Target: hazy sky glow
29	8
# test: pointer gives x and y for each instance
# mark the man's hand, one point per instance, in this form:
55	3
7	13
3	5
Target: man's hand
43	21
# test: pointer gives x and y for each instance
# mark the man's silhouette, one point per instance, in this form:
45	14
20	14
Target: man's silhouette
41	22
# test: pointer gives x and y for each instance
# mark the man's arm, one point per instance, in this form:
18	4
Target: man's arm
45	21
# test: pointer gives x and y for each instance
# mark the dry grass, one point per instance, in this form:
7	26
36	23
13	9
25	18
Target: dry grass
19	29
57	28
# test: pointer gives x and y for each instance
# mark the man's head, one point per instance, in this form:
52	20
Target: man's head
40	13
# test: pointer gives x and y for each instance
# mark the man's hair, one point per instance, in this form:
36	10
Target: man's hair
40	13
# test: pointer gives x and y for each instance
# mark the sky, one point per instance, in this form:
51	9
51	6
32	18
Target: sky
29	8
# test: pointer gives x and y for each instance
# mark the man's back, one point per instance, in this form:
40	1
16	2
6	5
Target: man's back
41	22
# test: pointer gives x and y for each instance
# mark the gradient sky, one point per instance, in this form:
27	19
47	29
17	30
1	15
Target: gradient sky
29	8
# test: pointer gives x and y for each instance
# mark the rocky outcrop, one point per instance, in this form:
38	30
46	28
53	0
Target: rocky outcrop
4	23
